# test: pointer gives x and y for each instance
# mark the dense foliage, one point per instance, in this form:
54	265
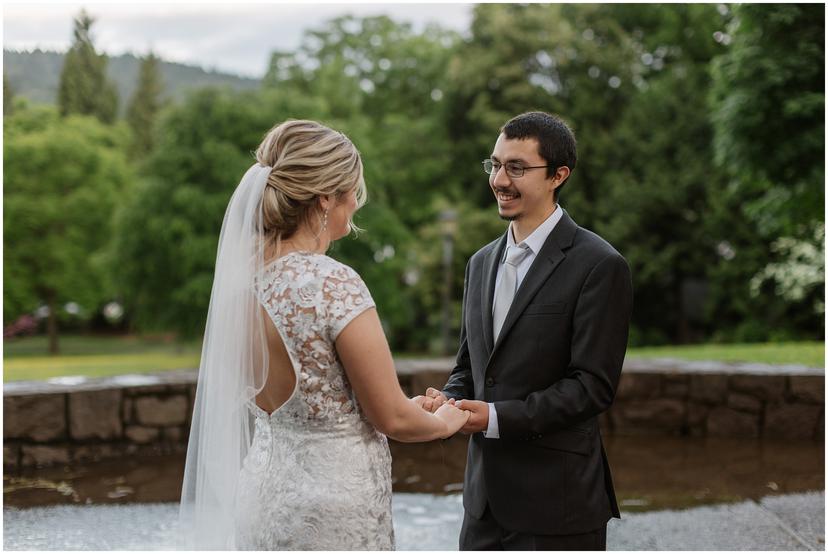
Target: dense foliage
768	112
700	140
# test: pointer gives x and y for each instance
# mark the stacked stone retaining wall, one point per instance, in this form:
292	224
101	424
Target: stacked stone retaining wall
63	421
76	420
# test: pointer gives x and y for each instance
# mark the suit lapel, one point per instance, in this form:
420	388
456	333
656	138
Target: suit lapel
490	265
548	259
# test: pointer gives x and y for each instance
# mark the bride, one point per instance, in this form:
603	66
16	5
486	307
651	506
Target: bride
297	388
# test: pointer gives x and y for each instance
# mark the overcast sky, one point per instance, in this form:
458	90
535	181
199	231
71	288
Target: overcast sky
235	38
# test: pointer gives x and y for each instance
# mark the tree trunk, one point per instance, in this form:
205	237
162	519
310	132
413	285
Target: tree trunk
682	326
52	326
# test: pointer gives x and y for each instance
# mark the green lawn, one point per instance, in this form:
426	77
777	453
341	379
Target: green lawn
27	358
811	354
84	345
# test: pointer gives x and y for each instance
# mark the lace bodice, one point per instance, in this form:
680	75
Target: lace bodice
311	298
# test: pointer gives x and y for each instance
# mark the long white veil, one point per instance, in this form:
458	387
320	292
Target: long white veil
233	370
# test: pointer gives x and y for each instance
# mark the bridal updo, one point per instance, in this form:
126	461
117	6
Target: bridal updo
309	160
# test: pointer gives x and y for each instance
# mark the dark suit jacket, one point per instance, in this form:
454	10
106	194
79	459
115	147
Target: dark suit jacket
553	370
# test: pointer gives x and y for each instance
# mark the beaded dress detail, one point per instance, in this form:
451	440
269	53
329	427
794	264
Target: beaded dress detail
317	475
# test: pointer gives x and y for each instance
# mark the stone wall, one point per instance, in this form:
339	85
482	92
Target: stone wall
64	421
78	420
720	405
680	398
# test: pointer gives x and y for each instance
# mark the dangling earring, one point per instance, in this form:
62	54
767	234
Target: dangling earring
322	229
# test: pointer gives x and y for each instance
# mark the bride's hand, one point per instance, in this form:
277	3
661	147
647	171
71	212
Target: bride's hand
453	417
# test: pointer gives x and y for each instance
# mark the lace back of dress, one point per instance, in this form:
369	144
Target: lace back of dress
310	298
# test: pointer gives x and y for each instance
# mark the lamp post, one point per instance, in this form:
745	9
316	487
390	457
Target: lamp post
448	226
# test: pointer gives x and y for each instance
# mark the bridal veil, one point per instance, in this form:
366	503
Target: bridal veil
233	369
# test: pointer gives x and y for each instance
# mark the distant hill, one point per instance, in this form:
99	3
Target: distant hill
35	75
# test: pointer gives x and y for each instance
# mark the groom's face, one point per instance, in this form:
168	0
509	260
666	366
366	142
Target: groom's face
529	198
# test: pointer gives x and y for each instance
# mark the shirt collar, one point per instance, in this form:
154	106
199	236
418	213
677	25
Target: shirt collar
538	237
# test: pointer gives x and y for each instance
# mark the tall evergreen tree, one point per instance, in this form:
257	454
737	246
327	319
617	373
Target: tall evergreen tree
8	96
84	88
144	105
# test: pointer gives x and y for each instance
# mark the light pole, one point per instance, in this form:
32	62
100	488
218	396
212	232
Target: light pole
448	226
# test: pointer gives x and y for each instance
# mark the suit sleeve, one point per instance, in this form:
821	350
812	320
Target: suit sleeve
459	384
599	343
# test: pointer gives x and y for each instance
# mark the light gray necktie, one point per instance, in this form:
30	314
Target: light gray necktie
508	285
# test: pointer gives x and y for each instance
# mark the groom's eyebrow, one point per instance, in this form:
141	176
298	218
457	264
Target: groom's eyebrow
518	160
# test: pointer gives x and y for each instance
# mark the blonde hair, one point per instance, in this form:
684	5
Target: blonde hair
309	160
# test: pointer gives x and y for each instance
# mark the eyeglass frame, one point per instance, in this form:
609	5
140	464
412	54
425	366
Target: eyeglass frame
522	167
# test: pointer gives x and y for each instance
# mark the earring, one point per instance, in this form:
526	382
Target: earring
324	219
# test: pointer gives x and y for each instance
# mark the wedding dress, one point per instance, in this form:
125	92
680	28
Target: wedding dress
317	475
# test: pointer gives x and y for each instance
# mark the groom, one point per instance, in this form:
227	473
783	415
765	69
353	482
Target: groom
546	311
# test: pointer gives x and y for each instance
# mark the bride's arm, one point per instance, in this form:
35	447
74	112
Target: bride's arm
367	360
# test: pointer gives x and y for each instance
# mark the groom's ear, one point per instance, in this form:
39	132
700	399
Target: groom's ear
559	177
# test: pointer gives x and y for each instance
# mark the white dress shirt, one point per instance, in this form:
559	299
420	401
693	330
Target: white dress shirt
535	242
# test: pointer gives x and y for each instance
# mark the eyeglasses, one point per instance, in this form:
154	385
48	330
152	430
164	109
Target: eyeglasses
513	169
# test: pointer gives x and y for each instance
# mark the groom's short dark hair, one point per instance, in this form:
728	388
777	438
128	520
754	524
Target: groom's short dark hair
556	142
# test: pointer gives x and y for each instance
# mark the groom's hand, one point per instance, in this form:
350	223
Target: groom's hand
479	419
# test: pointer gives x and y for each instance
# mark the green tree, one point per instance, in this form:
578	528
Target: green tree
62	177
768	113
768	110
384	85
144	107
659	180
84	87
8	96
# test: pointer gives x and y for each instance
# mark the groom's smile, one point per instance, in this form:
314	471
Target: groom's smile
506	197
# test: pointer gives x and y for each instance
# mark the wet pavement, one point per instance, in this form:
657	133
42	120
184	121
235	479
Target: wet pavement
432	522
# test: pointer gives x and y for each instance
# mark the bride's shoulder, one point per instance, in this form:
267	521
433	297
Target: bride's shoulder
337	270
300	269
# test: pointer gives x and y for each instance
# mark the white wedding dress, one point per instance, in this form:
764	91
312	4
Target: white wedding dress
317	475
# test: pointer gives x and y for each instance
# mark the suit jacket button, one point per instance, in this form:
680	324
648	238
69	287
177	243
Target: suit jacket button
489	382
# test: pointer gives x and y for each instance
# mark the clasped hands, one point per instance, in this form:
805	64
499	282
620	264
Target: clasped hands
478	411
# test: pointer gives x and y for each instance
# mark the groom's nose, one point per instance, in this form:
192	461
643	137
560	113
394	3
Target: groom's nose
500	178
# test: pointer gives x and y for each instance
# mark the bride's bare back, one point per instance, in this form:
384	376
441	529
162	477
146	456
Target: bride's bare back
281	379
